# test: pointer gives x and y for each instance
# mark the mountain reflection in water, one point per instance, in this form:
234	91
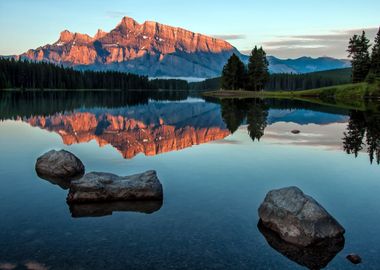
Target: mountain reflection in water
145	122
150	129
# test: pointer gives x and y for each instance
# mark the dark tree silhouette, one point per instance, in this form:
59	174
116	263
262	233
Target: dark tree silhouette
375	56
233	113
353	138
373	136
360	58
233	74
258	73
257	119
254	111
363	132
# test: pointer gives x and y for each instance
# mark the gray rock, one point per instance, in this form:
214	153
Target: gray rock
59	167
100	187
298	218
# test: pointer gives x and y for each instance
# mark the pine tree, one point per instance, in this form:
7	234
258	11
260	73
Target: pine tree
375	57
361	62
233	74
258	74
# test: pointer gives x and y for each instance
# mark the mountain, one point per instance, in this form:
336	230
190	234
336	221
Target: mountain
150	48
159	50
305	64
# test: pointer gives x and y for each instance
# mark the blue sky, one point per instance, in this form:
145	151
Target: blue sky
285	28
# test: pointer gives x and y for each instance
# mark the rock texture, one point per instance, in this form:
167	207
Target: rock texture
59	166
150	48
297	218
315	256
100	187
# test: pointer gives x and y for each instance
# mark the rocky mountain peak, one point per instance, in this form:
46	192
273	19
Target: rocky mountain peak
67	36
99	34
128	23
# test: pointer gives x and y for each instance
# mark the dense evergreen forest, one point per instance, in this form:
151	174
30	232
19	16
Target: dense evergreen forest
169	84
208	84
24	74
294	82
290	82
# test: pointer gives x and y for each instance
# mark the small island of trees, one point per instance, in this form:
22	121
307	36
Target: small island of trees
235	76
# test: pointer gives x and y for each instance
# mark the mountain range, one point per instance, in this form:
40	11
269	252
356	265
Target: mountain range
158	50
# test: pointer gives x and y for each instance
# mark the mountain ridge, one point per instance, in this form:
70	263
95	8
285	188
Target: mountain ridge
149	48
158	50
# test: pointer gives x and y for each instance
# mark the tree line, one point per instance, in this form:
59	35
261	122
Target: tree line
296	82
289	81
365	65
23	74
169	84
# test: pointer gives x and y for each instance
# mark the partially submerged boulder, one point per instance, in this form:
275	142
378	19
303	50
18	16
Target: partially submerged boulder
102	187
298	218
59	166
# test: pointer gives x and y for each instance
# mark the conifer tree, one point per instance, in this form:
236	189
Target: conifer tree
258	74
375	57
361	62
233	74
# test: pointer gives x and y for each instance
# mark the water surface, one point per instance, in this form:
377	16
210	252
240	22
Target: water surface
216	160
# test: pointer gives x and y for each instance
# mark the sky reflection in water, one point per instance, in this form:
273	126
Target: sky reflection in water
213	183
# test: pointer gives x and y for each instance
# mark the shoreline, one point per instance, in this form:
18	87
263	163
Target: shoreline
348	96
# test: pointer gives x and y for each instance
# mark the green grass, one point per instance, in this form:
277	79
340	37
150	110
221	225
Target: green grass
349	96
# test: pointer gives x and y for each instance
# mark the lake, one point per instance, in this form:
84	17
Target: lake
216	161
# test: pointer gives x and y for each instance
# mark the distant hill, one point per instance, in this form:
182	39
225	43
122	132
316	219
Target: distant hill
305	64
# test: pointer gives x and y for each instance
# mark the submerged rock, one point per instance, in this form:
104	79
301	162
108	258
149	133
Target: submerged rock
298	218
354	258
100	187
104	209
59	167
316	256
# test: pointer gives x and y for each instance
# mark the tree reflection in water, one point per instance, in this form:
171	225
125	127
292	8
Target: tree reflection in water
253	112
363	133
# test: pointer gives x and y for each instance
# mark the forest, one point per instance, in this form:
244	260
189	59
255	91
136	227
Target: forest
23	74
40	75
290	82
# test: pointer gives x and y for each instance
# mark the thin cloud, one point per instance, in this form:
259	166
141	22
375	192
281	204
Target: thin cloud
331	44
230	37
116	14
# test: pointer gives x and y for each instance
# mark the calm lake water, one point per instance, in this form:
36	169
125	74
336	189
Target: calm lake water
216	161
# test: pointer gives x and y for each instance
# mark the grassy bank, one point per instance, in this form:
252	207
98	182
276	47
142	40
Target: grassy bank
345	96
